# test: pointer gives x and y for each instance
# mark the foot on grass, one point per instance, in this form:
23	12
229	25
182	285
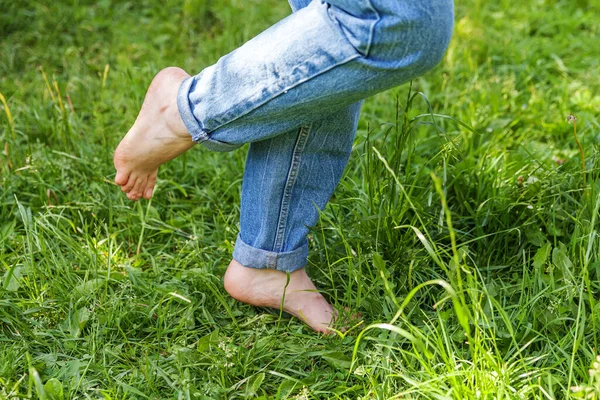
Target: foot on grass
266	287
157	136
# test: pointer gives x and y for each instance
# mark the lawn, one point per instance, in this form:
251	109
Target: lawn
465	229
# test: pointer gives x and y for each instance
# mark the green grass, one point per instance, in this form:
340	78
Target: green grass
468	240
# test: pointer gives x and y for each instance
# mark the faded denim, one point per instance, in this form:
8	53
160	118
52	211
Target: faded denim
293	92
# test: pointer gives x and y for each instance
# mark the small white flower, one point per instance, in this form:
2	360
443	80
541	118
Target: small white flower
304	394
360	371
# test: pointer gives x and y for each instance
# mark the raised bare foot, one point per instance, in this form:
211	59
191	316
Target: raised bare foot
157	136
266	287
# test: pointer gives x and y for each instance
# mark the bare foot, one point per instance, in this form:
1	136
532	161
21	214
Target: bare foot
157	136
266	287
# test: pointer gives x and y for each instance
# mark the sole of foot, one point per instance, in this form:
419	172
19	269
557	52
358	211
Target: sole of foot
157	136
267	288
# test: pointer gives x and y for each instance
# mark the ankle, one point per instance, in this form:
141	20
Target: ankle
166	85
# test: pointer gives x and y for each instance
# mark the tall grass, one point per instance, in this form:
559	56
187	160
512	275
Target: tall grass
465	230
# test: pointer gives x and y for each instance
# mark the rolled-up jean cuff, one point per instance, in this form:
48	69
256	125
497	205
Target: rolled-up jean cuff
194	127
253	257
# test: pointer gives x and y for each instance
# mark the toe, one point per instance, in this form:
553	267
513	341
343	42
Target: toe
133	196
148	193
130	184
345	320
149	188
139	188
121	178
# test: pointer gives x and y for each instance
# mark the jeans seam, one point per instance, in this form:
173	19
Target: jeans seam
289	186
372	30
272	262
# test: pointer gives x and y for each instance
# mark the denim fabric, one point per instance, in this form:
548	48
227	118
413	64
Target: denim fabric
294	93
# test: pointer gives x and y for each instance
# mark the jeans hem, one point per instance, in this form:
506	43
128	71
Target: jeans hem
253	257
194	127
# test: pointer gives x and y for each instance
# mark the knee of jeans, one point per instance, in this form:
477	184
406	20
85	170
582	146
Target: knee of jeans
417	37
437	34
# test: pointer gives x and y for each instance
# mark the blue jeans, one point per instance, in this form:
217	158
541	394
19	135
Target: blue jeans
294	93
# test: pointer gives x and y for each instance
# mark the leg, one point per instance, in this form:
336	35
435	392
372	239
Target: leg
288	179
285	184
322	58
